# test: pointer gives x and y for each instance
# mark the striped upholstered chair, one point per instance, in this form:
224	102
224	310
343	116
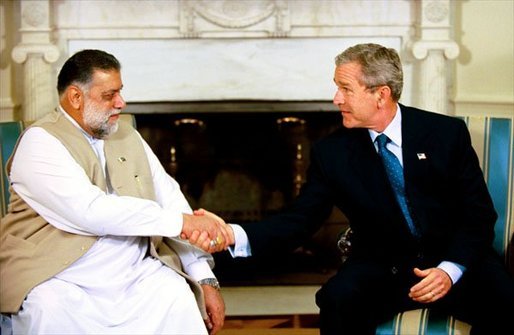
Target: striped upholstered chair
493	140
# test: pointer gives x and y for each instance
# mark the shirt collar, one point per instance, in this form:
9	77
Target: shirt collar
393	130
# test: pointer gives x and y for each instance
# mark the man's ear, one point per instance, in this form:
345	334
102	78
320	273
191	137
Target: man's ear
384	94
75	96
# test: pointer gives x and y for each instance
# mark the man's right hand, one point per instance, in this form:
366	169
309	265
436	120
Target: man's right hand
207	231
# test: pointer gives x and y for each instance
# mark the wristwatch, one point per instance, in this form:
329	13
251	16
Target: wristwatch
211	282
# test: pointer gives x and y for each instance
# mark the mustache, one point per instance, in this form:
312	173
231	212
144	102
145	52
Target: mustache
114	112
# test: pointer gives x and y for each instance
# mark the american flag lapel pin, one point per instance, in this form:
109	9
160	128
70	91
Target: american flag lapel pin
421	155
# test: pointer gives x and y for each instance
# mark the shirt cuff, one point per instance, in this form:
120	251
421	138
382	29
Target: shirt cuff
199	270
453	270
242	246
170	224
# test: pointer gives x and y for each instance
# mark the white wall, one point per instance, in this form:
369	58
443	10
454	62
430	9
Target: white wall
484	80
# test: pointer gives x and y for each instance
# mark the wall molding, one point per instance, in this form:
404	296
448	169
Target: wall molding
482	105
485	99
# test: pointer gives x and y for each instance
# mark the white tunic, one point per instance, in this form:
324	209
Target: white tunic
115	288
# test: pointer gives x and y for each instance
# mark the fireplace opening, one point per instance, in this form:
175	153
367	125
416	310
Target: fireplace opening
244	167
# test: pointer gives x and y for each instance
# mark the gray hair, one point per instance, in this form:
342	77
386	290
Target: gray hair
380	66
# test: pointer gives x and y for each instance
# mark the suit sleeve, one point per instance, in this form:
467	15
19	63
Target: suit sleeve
292	227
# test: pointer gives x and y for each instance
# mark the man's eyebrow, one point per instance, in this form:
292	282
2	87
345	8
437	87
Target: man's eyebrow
114	90
340	83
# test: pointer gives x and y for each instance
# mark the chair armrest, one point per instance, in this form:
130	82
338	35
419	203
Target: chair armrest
344	243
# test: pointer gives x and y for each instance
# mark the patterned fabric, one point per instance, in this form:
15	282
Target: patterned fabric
395	174
423	322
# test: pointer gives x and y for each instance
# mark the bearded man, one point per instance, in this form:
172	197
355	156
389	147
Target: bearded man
91	242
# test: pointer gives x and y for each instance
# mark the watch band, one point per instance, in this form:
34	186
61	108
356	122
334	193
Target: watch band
211	282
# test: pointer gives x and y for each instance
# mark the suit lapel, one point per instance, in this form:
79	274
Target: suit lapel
415	139
367	167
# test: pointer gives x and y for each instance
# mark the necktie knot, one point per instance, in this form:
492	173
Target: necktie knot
382	140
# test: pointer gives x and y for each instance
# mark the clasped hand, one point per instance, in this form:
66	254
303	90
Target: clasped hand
207	231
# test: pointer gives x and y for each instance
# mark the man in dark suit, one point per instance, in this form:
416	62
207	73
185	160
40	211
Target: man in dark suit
422	229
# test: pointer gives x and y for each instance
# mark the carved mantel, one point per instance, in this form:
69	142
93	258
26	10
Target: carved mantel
293	43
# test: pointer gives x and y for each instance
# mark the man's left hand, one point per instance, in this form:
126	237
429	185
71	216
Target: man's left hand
215	309
434	285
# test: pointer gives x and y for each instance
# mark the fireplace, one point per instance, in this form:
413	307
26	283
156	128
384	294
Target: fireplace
246	160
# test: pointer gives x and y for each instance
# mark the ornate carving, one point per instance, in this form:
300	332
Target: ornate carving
235	14
235	9
232	15
49	52
35	14
420	49
282	20
187	24
436	11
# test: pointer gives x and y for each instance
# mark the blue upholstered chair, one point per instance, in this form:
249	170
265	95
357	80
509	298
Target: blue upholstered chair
493	140
9	132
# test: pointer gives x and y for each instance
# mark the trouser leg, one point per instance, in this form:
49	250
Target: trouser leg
359	296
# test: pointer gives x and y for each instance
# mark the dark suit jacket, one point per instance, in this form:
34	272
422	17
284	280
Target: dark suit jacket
448	196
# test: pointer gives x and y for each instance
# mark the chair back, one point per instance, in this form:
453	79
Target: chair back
493	140
9	133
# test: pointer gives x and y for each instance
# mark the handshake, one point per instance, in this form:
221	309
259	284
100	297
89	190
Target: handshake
207	231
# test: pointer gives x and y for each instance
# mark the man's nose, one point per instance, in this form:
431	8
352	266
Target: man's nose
119	103
338	98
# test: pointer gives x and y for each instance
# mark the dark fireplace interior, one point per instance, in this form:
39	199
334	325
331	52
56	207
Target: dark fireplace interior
244	164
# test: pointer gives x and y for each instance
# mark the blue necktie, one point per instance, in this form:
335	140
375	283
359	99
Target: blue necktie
395	174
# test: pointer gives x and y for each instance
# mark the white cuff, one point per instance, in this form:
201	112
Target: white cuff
199	270
453	270
242	246
170	224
